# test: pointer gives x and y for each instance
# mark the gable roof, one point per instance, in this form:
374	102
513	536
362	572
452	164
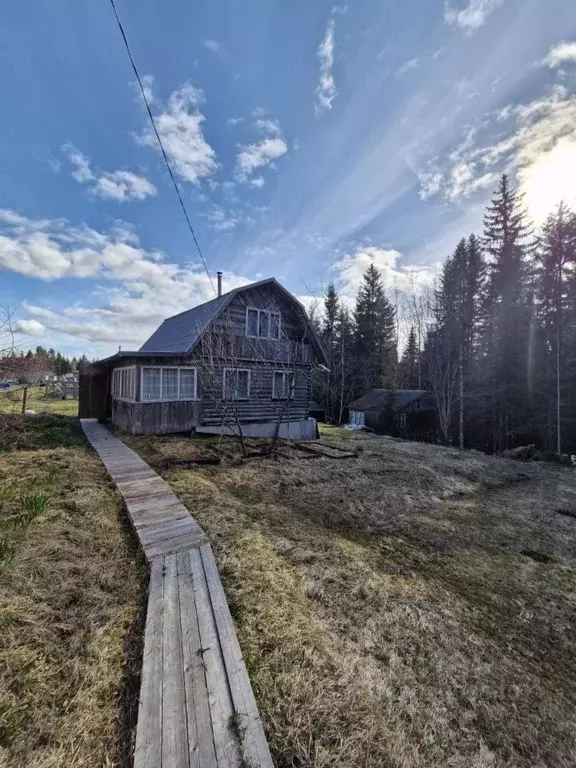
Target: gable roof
181	333
378	399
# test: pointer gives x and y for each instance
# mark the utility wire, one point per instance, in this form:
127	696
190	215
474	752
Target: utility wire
190	227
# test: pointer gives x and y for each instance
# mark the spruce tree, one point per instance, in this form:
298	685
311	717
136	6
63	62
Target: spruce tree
329	381
331	307
509	243
375	334
408	369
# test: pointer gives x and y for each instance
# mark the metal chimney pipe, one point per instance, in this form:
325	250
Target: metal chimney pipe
219	276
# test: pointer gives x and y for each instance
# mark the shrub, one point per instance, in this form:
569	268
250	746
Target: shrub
521	453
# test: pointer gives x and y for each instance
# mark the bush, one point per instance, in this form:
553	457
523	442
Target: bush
521	453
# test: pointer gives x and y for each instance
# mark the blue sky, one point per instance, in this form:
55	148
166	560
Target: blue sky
307	138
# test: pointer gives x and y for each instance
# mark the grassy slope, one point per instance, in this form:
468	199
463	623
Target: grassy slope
383	603
11	402
69	594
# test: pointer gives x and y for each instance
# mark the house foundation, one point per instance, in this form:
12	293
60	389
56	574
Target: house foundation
305	429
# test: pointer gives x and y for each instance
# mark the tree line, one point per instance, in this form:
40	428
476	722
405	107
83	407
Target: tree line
494	339
47	360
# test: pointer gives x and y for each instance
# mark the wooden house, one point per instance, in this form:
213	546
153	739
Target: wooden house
241	362
409	413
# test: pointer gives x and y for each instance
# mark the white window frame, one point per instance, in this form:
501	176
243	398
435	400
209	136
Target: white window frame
357	418
236	371
292	385
168	399
116	388
268	312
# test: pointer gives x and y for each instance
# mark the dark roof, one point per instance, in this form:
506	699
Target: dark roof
179	334
313	406
378	399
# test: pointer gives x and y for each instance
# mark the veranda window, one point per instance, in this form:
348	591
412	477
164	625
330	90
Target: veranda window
124	383
168	383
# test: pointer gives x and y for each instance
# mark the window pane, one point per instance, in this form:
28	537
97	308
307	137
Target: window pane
264	324
278	385
227	384
242	386
252	322
274	325
187	377
169	384
150	384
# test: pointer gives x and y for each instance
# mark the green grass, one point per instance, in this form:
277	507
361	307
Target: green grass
11	402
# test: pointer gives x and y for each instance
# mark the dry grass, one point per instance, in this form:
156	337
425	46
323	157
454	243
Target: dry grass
70	591
384	605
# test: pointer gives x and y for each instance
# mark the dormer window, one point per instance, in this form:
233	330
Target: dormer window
262	323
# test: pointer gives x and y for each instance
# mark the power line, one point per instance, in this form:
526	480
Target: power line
190	227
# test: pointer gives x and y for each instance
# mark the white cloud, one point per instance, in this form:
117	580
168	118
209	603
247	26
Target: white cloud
350	268
559	54
121	186
472	16
220	220
539	147
260	153
180	127
147	85
29	327
407	66
326	91
214	47
430	182
269	126
136	288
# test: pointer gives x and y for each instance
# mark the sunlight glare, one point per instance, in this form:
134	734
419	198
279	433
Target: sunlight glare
549	180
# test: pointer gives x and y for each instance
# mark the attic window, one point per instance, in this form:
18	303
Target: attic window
263	324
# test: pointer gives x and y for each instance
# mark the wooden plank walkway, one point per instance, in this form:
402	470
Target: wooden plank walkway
197	708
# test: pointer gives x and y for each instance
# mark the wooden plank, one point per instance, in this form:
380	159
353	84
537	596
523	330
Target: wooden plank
155	504
174	728
254	745
178	544
146	520
166	530
201	748
221	709
148	752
